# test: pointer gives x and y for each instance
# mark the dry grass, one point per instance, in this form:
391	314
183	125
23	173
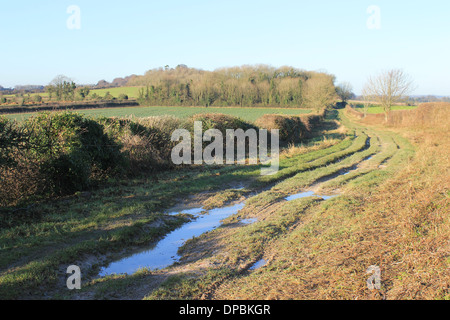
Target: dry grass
415	211
294	149
401	225
426	115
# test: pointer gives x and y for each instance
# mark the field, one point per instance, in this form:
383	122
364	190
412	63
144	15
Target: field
351	196
375	109
132	92
248	114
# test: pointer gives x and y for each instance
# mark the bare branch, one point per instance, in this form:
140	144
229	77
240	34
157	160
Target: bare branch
388	88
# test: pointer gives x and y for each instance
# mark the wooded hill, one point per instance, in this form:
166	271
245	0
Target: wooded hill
258	85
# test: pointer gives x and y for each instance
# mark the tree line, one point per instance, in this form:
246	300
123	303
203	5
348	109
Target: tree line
244	86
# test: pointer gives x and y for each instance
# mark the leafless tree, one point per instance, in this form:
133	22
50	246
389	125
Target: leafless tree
389	87
345	91
367	98
59	80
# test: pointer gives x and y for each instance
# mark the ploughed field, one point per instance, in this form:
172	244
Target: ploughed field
308	232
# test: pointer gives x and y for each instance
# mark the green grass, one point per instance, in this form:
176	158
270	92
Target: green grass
131	92
63	232
39	239
315	249
247	114
373	109
298	231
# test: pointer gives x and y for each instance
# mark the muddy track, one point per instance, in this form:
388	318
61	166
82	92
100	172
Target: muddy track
210	252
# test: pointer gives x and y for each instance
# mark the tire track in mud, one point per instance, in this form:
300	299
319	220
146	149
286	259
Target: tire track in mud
200	265
314	186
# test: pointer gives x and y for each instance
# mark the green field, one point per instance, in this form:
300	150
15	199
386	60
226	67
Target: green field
377	109
248	114
131	92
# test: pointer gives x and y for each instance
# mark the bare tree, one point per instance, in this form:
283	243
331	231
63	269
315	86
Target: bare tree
389	87
59	80
367	98
62	86
345	92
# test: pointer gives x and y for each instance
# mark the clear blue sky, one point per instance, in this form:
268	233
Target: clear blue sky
119	38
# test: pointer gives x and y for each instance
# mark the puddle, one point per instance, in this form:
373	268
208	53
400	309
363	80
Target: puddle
249	221
301	195
308	194
342	172
349	170
165	253
239	186
329	197
261	263
192	211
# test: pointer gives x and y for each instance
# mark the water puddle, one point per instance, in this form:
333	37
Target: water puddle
308	194
301	195
249	221
261	263
191	211
342	172
165	253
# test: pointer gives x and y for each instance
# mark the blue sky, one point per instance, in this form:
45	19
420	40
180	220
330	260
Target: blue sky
119	38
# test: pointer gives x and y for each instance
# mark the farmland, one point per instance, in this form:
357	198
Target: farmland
248	114
336	207
375	109
131	92
225	158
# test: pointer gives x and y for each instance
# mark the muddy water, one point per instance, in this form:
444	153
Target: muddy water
165	253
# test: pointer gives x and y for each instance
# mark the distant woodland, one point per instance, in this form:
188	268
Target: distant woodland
259	85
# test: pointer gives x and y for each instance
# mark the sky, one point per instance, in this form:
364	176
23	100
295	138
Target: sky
352	39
